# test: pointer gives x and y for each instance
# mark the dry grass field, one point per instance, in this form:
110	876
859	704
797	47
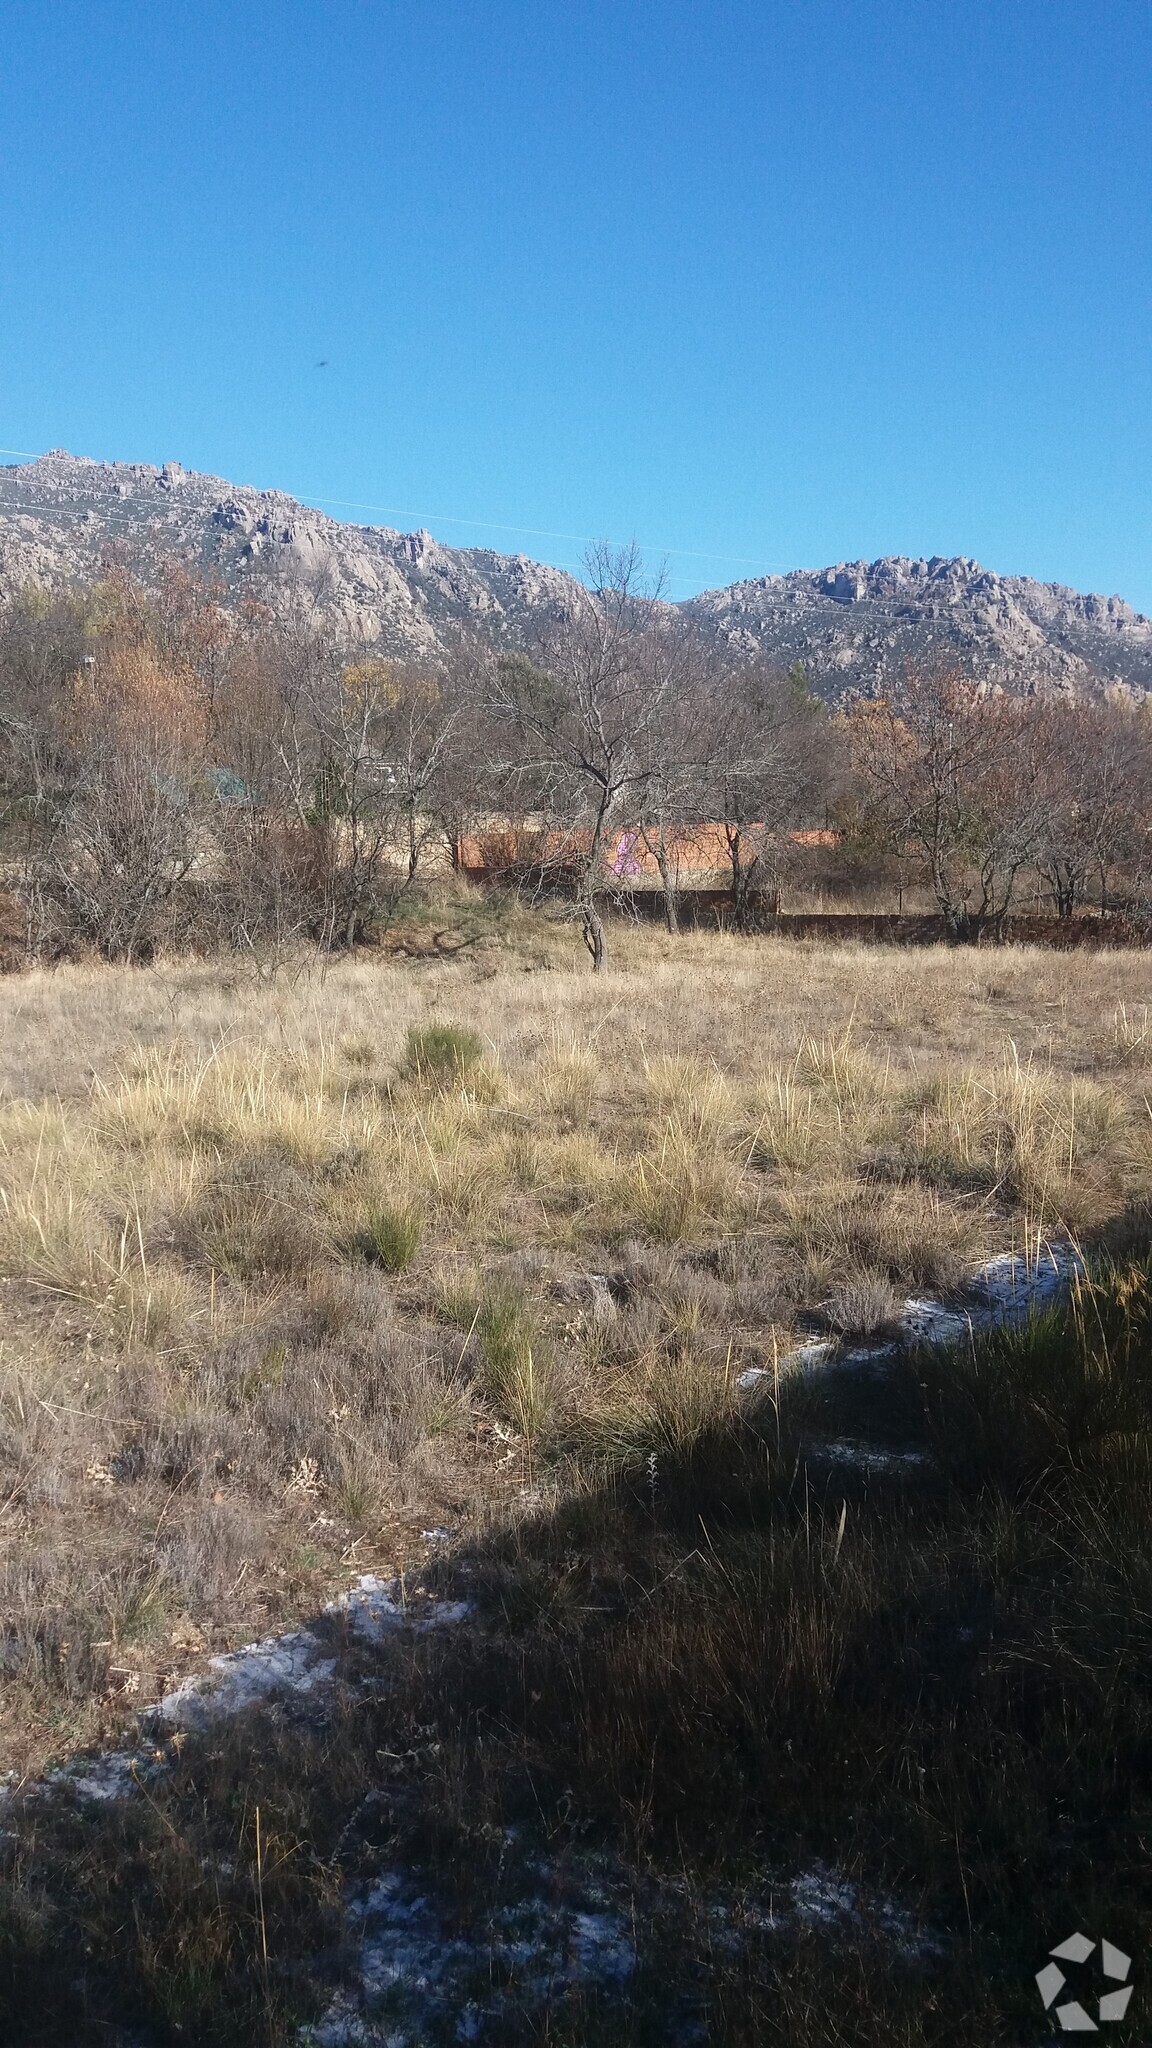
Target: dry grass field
298	1269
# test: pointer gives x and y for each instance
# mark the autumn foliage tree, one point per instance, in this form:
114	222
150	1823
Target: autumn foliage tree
176	769
127	836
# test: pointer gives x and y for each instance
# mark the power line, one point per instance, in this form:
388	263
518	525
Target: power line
572	568
489	525
538	532
60	511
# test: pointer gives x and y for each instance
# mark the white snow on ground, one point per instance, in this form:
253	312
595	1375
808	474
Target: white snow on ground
823	1898
1008	1289
413	1977
112	1774
601	1946
295	1663
371	1610
411	1973
289	1663
869	1457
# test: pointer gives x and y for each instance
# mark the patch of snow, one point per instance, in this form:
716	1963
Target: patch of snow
826	1899
289	1663
933	1322
808	1355
296	1663
445	1614
413	1974
820	1896
369	1608
869	1457
805	1359
1007	1289
403	1942
416	1980
110	1776
601	1946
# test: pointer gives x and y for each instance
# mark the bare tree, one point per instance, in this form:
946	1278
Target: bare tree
768	769
420	732
575	735
127	845
676	790
1093	766
459	792
353	809
953	778
44	642
364	745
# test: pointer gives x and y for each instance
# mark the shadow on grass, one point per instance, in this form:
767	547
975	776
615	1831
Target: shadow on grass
838	1713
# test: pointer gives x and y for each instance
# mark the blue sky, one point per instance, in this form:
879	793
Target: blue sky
760	285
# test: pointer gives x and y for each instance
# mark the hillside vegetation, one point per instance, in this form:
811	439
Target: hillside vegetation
177	775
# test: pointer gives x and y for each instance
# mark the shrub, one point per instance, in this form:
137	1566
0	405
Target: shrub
863	1304
441	1055
516	1369
392	1236
253	1221
673	1193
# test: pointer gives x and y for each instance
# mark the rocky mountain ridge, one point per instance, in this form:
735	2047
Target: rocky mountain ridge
853	625
63	518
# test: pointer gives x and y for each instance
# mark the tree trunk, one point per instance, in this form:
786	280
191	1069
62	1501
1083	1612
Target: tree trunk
671	911
960	924
739	879
1064	884
593	935
741	891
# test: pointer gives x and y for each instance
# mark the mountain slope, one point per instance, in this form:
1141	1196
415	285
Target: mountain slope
63	518
854	625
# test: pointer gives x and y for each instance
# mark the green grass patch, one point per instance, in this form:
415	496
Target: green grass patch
517	1369
441	1055
392	1236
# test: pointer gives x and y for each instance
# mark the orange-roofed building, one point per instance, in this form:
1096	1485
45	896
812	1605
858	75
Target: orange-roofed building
697	856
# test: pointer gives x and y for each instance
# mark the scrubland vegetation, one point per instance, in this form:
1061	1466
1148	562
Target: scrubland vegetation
181	772
348	1228
299	1267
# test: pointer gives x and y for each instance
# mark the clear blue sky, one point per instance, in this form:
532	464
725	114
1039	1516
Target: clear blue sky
765	284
